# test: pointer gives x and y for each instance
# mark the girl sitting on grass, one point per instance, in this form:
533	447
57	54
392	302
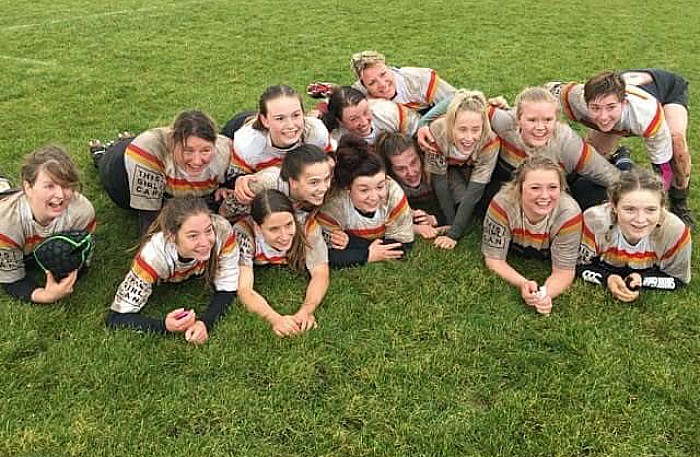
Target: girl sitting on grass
367	217
272	235
633	242
184	241
48	203
534	216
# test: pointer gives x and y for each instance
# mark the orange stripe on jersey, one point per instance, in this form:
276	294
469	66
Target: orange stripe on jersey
655	124
511	154
680	244
184	184
229	244
572	225
144	270
144	157
268	163
432	87
498	214
310	225
636	260
196	269
327	221
262	259
398	209
492	111
238	162
32	242
6	241
529	237
92	225
587	238
368	233
566	106
584	157
402	118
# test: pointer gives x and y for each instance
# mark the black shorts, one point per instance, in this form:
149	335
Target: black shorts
667	87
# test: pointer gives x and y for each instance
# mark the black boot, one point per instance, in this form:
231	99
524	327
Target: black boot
622	158
679	205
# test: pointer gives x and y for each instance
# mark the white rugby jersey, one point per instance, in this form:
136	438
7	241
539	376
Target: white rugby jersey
557	236
642	116
158	261
392	220
253	149
668	247
20	233
152	170
416	88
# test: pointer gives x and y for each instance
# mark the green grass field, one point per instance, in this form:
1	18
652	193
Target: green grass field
431	356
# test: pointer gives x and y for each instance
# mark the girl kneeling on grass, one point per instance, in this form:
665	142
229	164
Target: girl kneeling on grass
187	159
367	217
534	216
467	155
271	235
633	242
48	203
184	241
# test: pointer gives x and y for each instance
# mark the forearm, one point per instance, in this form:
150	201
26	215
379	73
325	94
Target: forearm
505	271
559	281
317	288
444	196
135	321
435	112
24	289
465	211
256	304
217	308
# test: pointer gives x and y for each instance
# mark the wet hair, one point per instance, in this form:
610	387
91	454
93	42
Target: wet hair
296	160
514	187
534	95
193	123
341	98
468	100
173	215
273	201
365	59
603	84
355	158
390	144
637	179
273	93
55	162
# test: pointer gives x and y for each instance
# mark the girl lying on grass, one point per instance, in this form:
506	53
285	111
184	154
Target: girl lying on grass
533	215
184	241
633	242
49	203
367	217
271	235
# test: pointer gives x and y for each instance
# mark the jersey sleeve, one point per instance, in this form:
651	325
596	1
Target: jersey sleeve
675	260
145	167
566	240
316	133
226	277
399	219
581	158
496	236
246	242
316	250
11	255
486	160
134	291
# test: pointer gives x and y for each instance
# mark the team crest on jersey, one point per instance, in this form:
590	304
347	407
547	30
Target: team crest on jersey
147	183
494	234
10	260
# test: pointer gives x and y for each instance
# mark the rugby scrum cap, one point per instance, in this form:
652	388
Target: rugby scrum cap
63	252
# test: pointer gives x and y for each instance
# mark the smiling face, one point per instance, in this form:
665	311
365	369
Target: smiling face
467	130
638	212
541	191
313	183
606	111
47	198
196	237
537	122
406	167
357	119
284	121
367	193
278	230
379	81
194	156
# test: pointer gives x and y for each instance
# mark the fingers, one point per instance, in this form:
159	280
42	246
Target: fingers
445	242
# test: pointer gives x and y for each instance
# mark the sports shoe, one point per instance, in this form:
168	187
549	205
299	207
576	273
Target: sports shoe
320	89
622	158
679	206
97	151
554	87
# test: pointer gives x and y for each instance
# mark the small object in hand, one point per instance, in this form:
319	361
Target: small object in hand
628	283
542	292
182	315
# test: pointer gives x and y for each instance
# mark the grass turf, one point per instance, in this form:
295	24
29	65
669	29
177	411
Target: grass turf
428	356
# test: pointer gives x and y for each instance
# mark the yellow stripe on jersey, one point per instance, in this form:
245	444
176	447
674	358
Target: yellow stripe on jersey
143	270
144	157
680	244
432	87
573	225
400	207
656	123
